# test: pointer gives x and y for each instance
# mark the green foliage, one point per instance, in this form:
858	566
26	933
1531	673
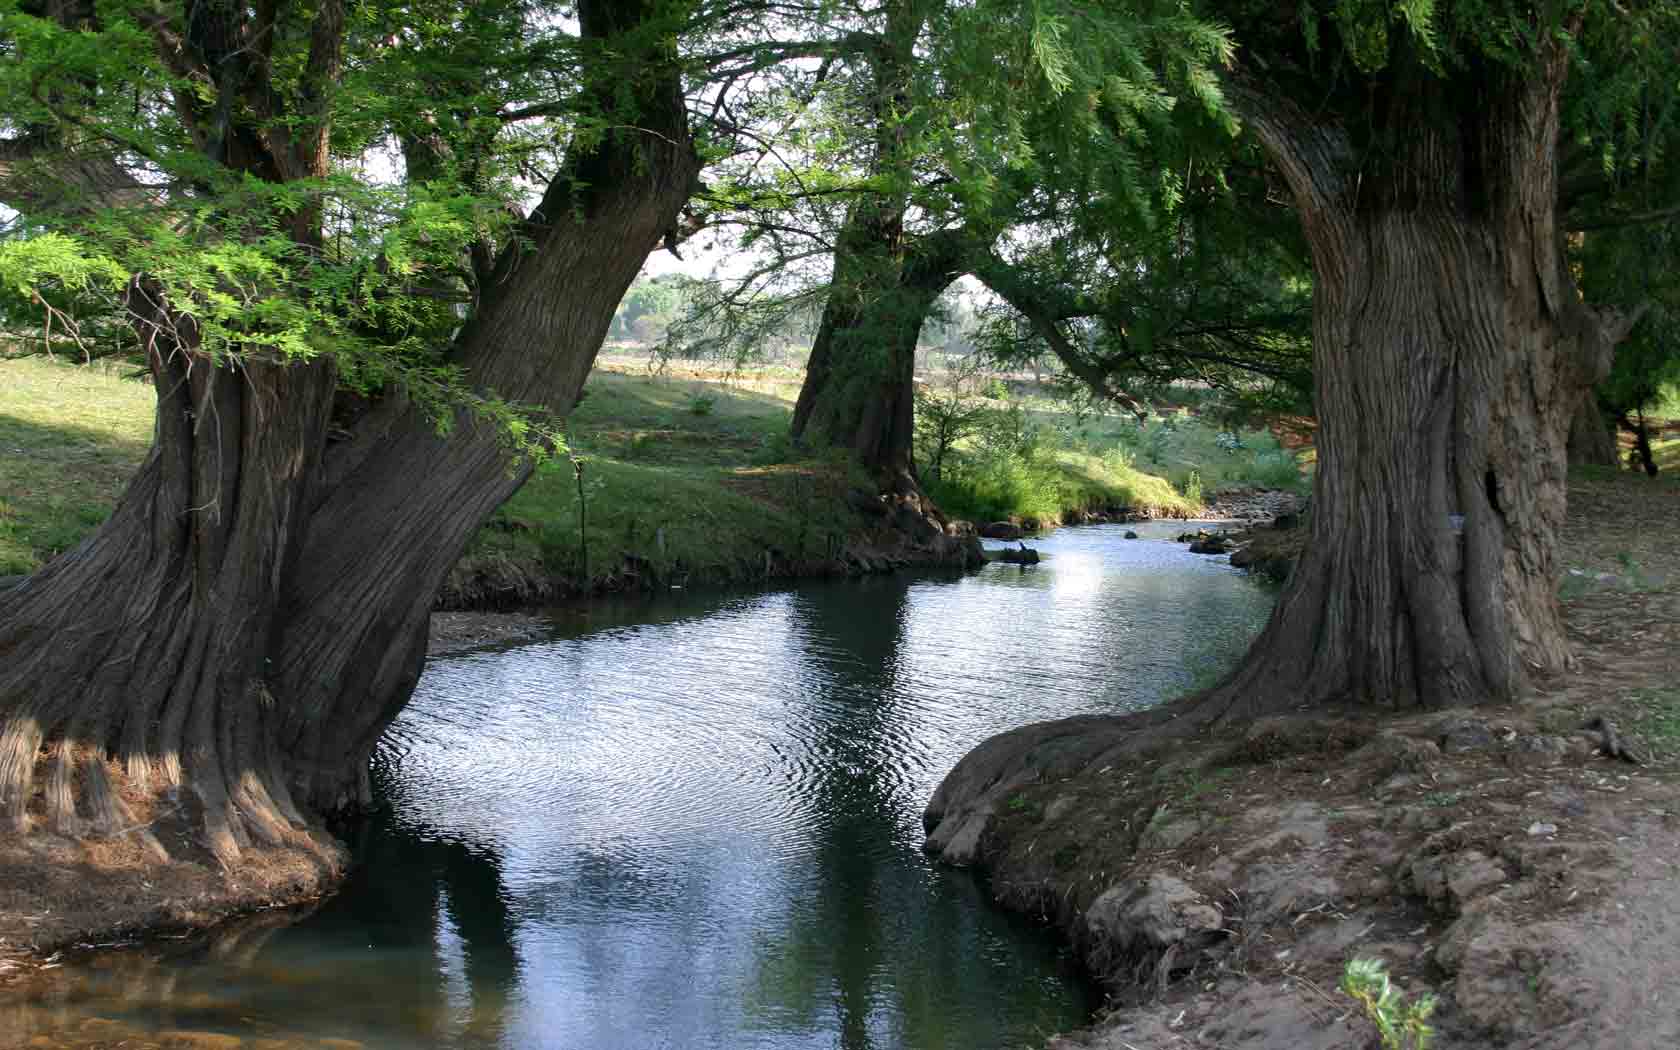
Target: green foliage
1193	488
240	243
1401	1024
650	307
935	122
1015	465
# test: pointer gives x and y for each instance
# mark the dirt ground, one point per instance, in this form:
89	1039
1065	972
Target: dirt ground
1505	859
58	893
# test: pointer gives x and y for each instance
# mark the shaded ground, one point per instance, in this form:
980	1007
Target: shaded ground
1501	858
58	893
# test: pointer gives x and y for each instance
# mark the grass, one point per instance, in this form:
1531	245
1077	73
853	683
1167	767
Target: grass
1046	486
1175	443
686	475
683	479
70	438
1037	459
1657	721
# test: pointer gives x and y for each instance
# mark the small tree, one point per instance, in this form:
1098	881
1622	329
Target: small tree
943	418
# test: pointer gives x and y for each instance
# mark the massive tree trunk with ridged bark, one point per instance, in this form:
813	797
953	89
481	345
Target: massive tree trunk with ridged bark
1450	351
235	638
859	389
858	392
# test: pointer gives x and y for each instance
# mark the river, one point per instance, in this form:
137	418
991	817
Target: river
694	822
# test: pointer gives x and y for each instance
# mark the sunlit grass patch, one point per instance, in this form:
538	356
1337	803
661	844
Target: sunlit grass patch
70	437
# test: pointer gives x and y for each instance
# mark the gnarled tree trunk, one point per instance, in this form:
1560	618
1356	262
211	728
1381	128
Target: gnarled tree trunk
859	389
255	611
1450	351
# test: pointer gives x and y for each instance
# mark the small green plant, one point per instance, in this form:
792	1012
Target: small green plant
701	404
995	390
1193	487
1401	1024
776	447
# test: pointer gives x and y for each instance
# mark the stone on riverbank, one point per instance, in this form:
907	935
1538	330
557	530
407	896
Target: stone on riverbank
1001	530
1218	885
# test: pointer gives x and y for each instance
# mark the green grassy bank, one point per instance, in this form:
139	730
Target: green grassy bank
686	477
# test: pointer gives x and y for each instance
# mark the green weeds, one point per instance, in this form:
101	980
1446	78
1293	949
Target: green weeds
1401	1024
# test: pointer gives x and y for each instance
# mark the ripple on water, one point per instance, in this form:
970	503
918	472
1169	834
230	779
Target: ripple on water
703	829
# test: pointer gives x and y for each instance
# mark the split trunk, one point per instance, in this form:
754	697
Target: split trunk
235	638
859	389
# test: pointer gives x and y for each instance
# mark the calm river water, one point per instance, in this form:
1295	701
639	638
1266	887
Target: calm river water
695	823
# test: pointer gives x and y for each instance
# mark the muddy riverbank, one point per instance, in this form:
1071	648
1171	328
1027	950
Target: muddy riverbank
1511	861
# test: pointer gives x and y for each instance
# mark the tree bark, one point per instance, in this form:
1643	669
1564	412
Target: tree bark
859	389
1450	352
254	613
1592	441
858	392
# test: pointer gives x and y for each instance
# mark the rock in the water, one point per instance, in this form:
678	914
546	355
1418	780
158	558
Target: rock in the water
1001	530
1211	545
1022	555
1130	535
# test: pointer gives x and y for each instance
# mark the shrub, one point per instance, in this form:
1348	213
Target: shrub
778	447
1276	469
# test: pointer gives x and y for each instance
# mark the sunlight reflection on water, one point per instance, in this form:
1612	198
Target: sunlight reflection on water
699	826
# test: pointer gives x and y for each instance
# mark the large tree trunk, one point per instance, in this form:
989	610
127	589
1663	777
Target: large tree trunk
1450	351
255	611
859	389
858	392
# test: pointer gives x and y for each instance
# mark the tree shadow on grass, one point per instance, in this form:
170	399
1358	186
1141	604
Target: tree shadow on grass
57	484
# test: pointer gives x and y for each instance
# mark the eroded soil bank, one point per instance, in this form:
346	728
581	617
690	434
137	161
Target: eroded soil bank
1506	859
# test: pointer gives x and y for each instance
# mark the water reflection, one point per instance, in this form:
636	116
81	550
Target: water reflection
696	824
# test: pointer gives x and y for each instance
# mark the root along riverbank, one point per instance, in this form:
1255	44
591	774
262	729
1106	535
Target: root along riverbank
1503	858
